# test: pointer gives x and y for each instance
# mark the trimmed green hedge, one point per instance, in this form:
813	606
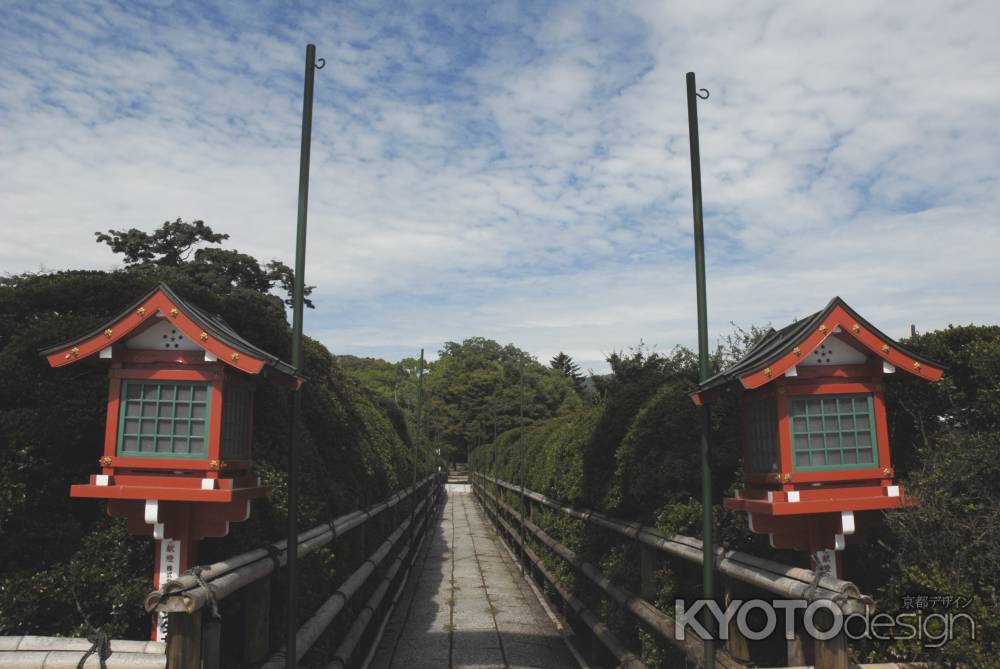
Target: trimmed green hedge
635	456
65	567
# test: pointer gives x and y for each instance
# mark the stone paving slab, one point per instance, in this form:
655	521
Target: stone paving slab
467	605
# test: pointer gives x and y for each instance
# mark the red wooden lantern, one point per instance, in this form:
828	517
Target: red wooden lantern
816	456
177	446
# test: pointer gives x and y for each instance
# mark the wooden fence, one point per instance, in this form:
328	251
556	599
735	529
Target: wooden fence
742	574
240	588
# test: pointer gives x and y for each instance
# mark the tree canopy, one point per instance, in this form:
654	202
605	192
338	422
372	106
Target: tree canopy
67	568
174	244
471	392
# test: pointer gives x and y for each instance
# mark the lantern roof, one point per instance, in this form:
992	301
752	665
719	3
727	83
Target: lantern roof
207	331
780	350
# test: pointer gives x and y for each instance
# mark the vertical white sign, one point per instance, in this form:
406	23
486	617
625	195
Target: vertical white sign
170	559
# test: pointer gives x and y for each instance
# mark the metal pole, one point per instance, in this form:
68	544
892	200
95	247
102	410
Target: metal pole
416	440
708	573
496	474
521	467
298	294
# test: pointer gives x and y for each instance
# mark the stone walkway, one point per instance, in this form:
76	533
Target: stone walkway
467	604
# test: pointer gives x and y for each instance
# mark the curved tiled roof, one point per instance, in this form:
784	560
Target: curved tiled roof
776	345
212	324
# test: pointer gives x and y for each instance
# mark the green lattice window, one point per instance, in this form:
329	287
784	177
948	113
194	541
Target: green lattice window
761	430
833	432
164	419
235	421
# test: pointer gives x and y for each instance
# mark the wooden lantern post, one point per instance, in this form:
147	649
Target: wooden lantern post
176	461
816	454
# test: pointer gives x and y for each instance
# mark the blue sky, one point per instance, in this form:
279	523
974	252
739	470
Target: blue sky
520	170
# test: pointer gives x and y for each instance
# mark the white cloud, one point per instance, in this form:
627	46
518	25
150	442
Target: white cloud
522	173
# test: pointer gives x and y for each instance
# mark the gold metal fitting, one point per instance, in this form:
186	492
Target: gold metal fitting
855	328
74	351
916	366
105	461
203	336
797	351
767	372
108	333
785	478
885	348
141	311
235	357
213	465
823	329
173	313
887	471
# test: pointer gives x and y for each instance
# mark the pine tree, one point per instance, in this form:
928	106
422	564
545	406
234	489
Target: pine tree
564	363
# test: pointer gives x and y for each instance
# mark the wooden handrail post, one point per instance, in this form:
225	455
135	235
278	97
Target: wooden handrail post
184	640
832	653
597	651
256	620
737	645
797	647
647	588
211	644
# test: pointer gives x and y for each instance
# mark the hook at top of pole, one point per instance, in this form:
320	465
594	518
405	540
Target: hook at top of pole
317	63
702	93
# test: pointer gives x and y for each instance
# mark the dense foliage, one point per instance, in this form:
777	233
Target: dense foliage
626	443
635	455
473	391
65	567
946	437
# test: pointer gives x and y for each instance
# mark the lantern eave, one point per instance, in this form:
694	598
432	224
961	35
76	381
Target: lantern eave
208	332
782	350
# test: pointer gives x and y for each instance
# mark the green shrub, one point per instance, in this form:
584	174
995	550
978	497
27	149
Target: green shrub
65	566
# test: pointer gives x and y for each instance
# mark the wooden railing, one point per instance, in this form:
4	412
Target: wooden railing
742	574
240	588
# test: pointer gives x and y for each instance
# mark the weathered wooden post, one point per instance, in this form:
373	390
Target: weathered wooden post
184	640
176	460
256	620
830	653
211	643
737	645
798	646
647	580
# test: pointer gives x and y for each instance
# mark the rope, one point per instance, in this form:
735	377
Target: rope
273	552
810	592
100	645
196	572
838	598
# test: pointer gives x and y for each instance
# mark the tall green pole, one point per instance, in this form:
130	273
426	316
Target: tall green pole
708	546
298	295
496	473
416	440
521	469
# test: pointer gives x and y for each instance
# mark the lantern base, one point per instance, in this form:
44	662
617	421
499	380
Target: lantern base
817	519
808	499
169	487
